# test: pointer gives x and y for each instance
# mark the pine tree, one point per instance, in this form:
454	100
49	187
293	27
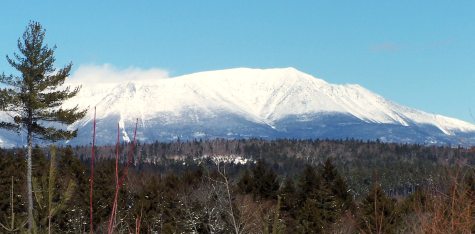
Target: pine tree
34	98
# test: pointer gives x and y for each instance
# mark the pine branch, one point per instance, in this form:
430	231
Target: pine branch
10	126
64	116
50	133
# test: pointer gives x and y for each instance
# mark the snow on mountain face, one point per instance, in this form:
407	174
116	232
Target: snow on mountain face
268	103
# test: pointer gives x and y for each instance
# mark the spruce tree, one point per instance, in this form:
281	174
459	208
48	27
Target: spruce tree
334	182
378	212
288	195
309	218
34	98
307	184
265	183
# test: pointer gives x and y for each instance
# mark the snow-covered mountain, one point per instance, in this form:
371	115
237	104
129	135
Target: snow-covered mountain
262	103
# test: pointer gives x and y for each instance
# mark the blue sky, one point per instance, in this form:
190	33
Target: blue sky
416	53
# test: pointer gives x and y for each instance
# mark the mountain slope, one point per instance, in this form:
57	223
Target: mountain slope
267	103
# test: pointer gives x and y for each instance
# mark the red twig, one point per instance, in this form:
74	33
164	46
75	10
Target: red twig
138	220
91	179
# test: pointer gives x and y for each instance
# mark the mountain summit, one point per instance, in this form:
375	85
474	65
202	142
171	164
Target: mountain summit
262	103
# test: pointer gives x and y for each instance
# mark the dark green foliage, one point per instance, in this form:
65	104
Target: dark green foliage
40	162
288	195
262	181
245	184
149	201
104	185
402	167
71	169
308	185
378	212
11	166
322	196
310	217
318	204
334	183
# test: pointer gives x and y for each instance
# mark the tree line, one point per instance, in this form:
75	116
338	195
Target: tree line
222	198
401	168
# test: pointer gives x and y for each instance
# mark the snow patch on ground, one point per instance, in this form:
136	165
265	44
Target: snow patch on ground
230	159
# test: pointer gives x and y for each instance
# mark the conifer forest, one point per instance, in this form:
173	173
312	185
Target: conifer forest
243	186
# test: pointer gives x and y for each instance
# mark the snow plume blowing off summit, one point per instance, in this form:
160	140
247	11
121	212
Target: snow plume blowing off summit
106	73
245	103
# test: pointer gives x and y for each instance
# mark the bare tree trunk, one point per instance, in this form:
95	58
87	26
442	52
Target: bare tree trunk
28	182
225	181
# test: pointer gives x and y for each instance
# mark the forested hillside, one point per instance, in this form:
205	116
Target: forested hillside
245	186
400	167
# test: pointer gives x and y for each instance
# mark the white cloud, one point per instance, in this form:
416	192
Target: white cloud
106	73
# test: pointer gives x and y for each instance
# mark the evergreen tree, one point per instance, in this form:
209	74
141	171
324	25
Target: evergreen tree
265	181
308	184
245	184
323	192
262	181
309	218
312	200
35	97
288	196
336	186
378	212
